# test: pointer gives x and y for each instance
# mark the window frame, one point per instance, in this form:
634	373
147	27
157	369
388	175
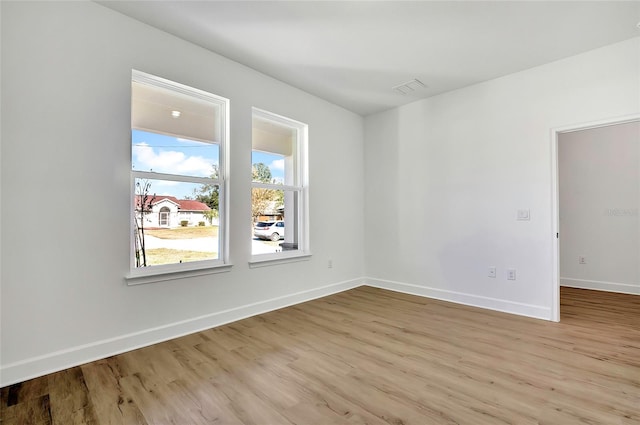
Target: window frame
163	272
301	159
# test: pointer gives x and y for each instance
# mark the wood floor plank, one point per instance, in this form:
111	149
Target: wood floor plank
364	356
34	411
112	405
69	398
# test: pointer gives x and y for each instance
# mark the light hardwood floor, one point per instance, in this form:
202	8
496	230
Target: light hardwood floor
364	356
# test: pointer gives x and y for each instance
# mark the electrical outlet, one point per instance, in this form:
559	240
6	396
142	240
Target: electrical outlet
492	271
330	264
582	260
511	274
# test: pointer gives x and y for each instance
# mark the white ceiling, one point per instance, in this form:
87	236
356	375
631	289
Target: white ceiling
353	53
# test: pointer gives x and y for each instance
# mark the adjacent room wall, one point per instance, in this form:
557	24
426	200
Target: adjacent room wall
66	74
599	188
447	175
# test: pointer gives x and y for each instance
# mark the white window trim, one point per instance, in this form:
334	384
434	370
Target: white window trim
273	259
302	161
165	272
140	275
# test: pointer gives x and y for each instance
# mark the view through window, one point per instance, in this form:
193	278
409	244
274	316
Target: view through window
177	143
278	184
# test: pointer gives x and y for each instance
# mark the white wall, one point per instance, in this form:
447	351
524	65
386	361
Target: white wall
446	175
599	188
66	73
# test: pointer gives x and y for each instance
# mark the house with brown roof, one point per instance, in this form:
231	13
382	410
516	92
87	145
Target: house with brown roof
170	212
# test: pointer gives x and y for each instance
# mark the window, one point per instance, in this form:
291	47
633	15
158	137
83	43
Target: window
279	187
178	169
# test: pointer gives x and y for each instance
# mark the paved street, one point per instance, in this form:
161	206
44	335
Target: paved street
196	244
204	244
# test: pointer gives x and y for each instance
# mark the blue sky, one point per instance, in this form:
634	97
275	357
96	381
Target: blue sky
274	162
173	155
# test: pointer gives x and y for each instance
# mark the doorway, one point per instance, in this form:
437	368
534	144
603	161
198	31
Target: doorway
164	217
595	212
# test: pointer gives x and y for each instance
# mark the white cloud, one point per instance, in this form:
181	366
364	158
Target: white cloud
172	162
277	164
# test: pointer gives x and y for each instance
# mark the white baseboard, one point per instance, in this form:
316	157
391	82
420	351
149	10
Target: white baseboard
529	310
74	356
598	285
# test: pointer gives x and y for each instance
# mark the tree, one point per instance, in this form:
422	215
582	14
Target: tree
209	193
261	198
261	173
142	206
210	215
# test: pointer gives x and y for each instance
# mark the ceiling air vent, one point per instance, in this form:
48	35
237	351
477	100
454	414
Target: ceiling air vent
409	86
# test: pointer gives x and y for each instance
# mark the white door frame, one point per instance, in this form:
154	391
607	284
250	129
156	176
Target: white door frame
555	200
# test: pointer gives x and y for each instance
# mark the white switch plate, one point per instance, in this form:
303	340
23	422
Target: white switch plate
492	271
582	260
523	215
511	274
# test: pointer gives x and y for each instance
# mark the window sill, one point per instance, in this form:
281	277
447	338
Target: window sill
173	272
264	260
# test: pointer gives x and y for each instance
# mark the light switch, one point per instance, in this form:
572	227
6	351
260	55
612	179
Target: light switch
523	215
492	271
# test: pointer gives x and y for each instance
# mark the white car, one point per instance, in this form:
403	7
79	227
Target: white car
272	230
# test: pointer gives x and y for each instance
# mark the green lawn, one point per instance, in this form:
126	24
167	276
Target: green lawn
158	256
